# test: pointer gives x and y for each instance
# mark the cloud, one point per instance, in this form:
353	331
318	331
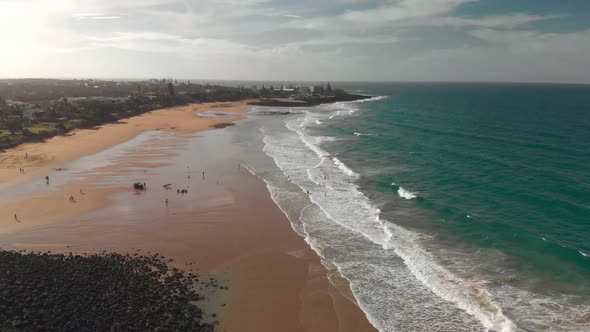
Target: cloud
155	42
510	56
106	17
404	10
339	39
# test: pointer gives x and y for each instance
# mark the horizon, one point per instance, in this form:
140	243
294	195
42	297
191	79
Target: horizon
286	81
496	41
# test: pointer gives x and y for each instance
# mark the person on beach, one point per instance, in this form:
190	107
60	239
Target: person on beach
16	218
203	175
166	201
26	155
72	199
46	179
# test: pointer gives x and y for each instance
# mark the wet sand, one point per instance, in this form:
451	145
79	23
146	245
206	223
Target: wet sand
227	224
37	158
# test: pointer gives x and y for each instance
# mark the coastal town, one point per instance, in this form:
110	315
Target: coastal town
36	109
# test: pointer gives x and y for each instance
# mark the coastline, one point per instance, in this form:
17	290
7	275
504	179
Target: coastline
230	226
55	152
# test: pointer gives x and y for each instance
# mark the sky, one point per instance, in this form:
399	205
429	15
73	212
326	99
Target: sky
312	40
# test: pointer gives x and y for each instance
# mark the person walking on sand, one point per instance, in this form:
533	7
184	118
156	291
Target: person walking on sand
166	201
47	179
16	218
203	175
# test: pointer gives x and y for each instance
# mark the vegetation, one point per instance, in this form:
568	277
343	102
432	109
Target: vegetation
35	109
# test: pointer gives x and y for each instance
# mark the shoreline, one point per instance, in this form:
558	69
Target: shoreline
57	151
309	102
232	225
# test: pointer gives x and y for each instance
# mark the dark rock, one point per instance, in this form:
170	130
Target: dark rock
95	292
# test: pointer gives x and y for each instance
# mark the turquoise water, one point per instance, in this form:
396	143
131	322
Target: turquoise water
503	167
450	207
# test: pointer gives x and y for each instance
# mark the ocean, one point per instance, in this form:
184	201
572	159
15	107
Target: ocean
447	207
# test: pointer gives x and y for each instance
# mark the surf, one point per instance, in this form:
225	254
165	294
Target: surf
341	204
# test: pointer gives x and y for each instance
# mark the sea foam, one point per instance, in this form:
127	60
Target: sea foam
345	168
403	193
340	211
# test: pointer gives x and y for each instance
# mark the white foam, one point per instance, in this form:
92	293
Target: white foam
341	215
398	283
361	134
583	253
376	98
345	168
403	193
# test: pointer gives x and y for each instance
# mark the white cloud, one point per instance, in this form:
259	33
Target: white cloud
512	56
106	17
262	38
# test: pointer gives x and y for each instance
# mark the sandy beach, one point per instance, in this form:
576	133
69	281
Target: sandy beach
37	158
226	225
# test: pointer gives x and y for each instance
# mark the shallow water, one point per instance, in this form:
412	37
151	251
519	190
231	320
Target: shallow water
449	207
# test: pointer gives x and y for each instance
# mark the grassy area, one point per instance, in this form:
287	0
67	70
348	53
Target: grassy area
39	130
7	139
74	123
43	128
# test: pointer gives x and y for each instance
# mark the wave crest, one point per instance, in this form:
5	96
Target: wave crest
403	193
345	168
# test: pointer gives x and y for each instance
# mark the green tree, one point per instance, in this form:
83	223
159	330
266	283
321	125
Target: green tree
61	127
171	89
14	126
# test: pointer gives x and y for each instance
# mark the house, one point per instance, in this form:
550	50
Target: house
32	113
304	92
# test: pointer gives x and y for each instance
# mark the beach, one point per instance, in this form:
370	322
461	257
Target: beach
226	225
